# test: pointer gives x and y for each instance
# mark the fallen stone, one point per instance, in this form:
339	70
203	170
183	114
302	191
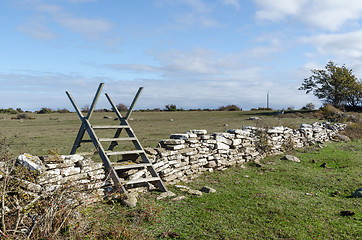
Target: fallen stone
178	198
291	158
165	195
254	118
195	192
207	190
131	201
357	193
182	187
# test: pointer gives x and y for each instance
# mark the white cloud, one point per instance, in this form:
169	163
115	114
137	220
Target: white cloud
196	5
234	3
277	10
195	19
95	28
344	46
86	26
37	30
331	15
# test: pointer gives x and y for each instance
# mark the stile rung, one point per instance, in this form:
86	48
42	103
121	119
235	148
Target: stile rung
110	126
124	152
130	166
141	180
117	139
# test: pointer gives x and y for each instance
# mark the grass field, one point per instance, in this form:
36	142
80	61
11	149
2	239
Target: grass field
57	131
280	200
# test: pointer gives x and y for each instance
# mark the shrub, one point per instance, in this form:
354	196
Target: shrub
8	110
260	109
64	110
229	108
353	131
330	112
45	111
23	116
309	106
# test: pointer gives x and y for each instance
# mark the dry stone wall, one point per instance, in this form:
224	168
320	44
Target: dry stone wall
83	176
182	157
186	156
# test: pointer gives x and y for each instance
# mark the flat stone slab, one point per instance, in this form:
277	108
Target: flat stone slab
207	189
291	158
165	195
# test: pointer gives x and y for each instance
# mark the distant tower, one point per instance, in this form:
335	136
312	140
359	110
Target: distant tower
267	100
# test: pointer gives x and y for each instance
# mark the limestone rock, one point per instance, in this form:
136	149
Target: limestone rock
31	162
207	189
357	193
150	151
182	187
195	192
199	132
165	195
254	118
178	198
172	141
179	136
131	201
291	158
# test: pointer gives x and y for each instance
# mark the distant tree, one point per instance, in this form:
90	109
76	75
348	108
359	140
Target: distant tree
335	85
122	108
229	108
170	107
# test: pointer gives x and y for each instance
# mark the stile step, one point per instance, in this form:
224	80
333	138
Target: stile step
141	180
117	139
124	152
110	126
130	166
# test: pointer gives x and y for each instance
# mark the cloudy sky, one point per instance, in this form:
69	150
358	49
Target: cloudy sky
192	53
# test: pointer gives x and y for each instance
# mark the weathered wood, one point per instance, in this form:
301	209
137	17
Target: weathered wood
111	153
117	139
141	180
109	126
131	166
112	168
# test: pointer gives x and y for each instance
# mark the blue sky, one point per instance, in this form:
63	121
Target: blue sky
192	53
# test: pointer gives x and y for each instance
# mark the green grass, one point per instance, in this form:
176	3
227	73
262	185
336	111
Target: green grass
268	202
57	131
280	200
